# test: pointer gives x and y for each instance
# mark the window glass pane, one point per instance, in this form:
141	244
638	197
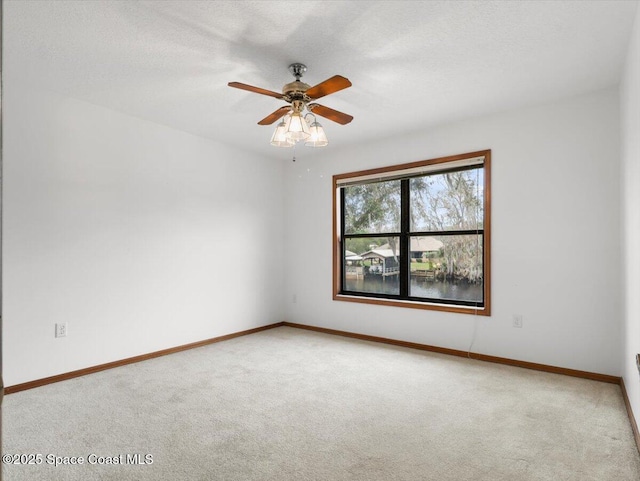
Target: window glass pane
372	208
371	264
449	201
447	267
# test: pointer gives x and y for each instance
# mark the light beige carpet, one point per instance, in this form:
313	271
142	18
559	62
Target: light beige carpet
287	404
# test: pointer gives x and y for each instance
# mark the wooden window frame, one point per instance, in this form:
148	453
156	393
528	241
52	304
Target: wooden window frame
437	165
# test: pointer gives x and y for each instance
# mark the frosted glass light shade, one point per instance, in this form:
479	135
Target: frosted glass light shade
279	138
317	138
297	128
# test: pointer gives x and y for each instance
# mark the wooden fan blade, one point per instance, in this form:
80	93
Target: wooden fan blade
271	118
257	90
329	86
330	114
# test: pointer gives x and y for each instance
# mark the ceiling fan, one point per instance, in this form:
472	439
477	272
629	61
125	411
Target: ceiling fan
301	96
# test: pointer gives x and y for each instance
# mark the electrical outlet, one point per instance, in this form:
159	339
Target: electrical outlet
294	298
517	320
61	329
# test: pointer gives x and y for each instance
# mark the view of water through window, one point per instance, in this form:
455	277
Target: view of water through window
462	291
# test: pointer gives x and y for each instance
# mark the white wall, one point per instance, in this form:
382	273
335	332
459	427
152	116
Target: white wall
630	126
139	236
556	236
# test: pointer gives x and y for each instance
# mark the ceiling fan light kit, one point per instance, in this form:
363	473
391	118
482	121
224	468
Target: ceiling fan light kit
294	126
279	139
317	138
297	128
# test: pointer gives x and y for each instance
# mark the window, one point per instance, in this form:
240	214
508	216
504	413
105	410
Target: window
415	235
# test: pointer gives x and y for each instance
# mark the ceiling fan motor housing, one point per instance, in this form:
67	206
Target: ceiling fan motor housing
295	90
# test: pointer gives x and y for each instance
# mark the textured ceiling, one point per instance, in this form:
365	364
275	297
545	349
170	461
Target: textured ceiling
412	64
